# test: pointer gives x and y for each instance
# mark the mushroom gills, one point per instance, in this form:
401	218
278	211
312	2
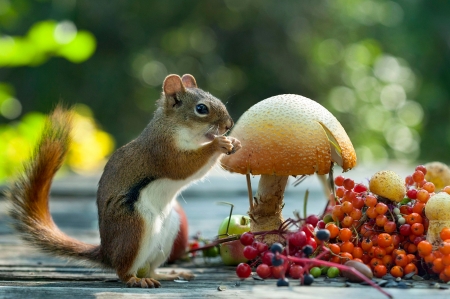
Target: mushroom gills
336	151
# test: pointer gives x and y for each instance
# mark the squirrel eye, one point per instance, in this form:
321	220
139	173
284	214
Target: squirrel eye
201	109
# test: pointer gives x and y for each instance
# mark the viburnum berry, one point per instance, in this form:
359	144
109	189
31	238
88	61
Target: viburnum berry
323	235
297	239
359	188
243	270
250	252
276	247
263	271
247	238
312	219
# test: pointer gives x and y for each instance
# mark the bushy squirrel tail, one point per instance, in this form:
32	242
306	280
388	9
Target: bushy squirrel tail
29	194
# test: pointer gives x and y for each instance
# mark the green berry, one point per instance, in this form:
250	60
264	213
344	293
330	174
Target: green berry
315	271
333	272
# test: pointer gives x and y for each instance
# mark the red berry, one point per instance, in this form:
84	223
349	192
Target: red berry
296	271
297	239
321	224
247	238
339	180
312	219
263	271
243	270
421	168
308	229
405	229
267	258
250	252
359	188
312	242
261	246
412	193
349	184
418	176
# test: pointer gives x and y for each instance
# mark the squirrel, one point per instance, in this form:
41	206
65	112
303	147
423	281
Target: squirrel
138	188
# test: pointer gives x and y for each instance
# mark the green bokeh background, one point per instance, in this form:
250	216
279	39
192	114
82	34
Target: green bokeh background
382	67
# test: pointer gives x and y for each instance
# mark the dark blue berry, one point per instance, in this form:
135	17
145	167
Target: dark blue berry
323	234
308	279
282	282
277	261
276	247
308	250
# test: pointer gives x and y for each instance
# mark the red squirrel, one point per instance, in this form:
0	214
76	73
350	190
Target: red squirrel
138	188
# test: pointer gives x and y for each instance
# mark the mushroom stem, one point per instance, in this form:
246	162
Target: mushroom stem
266	214
250	192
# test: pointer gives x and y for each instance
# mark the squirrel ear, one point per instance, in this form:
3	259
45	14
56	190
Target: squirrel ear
189	81
172	85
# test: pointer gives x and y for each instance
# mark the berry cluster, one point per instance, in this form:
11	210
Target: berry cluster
387	236
301	243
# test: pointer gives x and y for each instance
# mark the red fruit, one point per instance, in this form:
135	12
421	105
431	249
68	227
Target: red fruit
421	168
358	202
359	188
409	180
390	227
308	229
250	252
321	224
243	270
267	258
297	239
247	238
412	193
418	176
312	219
349	184
312	242
381	220
263	271
405	229
260	246
339	180
296	271
278	271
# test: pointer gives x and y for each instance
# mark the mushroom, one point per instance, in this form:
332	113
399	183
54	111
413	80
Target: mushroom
281	136
439	174
388	184
437	211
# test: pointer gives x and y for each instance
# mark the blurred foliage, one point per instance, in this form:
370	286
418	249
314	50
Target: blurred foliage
380	66
90	145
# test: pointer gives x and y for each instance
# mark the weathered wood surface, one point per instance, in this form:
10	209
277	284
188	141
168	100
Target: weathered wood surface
26	272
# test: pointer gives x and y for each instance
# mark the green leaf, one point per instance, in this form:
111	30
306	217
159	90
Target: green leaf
80	48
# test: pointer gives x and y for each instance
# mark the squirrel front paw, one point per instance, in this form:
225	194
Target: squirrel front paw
236	145
227	145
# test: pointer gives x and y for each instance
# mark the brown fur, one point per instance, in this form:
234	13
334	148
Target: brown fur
29	195
153	155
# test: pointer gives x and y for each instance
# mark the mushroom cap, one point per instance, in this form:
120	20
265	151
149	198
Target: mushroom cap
388	184
438	173
438	207
289	135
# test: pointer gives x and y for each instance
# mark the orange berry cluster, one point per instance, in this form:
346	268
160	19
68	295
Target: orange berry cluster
387	236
